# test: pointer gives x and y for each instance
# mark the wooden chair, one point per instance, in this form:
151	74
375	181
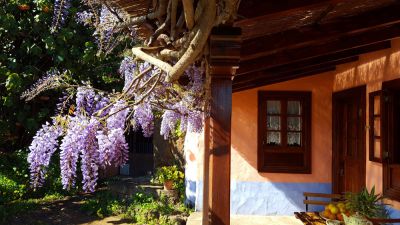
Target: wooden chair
383	221
331	197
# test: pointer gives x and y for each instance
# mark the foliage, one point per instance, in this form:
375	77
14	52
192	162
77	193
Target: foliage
104	204
14	178
174	174
92	128
367	203
141	208
169	173
10	190
155	211
28	51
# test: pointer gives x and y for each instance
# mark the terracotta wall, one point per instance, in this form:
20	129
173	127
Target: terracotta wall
244	131
371	70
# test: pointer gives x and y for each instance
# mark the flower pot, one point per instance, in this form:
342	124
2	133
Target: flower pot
168	185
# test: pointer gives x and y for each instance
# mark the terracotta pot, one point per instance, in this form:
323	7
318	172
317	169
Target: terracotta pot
168	185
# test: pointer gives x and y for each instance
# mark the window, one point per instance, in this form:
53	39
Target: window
390	138
375	153
284	132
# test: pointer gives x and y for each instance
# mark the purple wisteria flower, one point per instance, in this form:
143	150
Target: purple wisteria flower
195	75
85	17
127	71
90	155
51	80
168	122
100	103
61	12
85	98
195	121
70	146
145	118
113	148
44	144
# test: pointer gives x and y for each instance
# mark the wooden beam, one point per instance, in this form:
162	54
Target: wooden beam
223	61
319	60
256	8
266	81
307	35
291	69
321	48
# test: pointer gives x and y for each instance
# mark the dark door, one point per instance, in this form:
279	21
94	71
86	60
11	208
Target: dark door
390	138
348	170
141	158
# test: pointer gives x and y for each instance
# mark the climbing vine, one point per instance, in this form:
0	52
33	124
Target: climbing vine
164	75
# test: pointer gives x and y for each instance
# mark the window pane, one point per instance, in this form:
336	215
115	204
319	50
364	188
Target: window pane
294	139
377	105
273	107
294	108
273	122
274	138
377	148
294	123
377	126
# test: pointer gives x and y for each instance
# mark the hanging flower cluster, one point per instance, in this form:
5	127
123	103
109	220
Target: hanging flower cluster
90	124
93	133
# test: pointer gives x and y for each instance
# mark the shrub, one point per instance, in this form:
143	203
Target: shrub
104	204
145	209
367	203
141	208
169	173
14	178
172	173
10	190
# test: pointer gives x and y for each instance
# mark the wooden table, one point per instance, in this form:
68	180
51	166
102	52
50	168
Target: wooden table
313	218
310	218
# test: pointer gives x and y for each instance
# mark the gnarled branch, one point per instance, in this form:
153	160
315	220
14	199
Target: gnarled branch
203	30
189	13
150	59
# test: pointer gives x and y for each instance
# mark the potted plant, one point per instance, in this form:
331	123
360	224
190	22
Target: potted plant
169	175
364	205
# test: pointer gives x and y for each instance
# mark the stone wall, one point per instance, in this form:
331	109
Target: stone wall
167	152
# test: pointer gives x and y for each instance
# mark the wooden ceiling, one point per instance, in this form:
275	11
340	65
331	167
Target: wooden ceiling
287	39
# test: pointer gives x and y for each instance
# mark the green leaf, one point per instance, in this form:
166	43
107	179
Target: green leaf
32	124
7	101
35	50
13	82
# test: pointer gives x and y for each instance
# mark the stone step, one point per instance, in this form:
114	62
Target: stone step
127	186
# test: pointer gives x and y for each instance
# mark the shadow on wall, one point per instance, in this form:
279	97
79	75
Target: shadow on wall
167	152
277	193
267	193
372	68
244	131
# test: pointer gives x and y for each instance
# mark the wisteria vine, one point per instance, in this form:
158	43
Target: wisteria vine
90	125
93	132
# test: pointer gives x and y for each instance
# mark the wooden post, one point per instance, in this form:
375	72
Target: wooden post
223	61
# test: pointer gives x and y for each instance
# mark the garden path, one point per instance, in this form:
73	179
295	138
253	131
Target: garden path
63	212
195	219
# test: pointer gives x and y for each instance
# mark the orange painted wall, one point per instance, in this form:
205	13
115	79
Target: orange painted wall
244	131
371	70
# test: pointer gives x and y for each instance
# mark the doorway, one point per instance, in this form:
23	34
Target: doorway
349	154
141	157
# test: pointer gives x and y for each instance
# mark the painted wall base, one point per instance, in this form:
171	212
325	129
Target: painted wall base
262	198
394	213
